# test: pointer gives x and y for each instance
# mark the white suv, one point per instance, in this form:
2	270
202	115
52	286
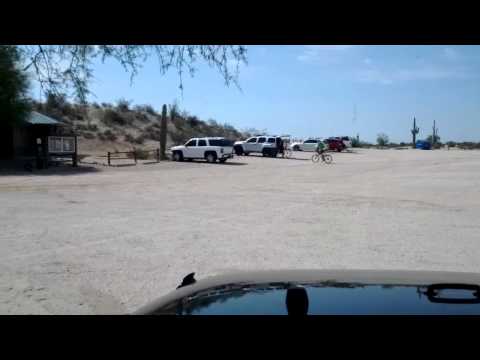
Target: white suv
265	145
307	145
210	149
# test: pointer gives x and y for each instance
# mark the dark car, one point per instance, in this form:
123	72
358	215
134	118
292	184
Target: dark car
324	292
335	144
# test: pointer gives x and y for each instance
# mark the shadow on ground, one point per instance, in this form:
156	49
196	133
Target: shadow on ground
56	170
278	157
227	163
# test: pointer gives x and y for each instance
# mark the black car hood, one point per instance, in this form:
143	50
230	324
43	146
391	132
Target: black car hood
326	292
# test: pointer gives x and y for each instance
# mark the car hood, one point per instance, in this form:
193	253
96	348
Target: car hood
329	292
239	142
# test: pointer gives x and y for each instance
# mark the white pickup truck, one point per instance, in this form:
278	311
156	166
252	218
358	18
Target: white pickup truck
208	148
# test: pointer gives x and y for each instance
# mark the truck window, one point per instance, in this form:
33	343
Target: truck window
271	140
261	140
252	140
202	143
191	142
220	142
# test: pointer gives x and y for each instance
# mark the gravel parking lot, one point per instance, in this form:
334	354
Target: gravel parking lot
108	240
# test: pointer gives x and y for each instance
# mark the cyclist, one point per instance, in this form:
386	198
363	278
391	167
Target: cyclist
320	148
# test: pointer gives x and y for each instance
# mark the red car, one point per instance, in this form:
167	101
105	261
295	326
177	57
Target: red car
335	144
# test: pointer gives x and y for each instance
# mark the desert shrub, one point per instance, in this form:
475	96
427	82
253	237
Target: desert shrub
141	154
142	117
146	108
139	139
81	127
152	131
193	121
95	105
92	127
355	141
382	139
123	105
109	135
129	138
468	145
111	117
149	109
88	135
106	105
180	137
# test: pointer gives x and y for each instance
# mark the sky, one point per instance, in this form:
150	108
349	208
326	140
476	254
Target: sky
322	91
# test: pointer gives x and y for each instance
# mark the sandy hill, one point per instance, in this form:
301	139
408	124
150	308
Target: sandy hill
121	127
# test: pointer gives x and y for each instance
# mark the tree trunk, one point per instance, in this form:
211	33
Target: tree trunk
163	133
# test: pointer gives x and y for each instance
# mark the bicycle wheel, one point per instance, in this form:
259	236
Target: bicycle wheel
327	159
315	158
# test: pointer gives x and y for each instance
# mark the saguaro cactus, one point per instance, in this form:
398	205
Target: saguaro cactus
434	134
415	130
163	132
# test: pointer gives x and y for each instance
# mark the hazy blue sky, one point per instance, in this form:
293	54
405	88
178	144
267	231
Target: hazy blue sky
312	90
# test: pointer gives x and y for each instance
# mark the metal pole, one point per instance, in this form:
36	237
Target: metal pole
108	155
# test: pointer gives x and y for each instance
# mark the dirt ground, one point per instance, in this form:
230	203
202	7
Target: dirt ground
108	240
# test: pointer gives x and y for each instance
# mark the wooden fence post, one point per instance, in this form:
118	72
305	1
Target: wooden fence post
158	155
75	155
135	156
108	155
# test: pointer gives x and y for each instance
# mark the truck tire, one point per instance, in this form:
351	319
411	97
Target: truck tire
238	150
211	157
177	156
296	148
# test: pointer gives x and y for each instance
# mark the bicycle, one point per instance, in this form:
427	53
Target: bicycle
326	158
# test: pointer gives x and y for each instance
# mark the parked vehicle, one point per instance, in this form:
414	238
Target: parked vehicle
210	149
265	145
346	141
423	145
335	144
307	145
